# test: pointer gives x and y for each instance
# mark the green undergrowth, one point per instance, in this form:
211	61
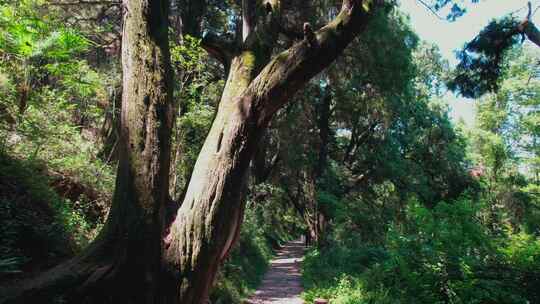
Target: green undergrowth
336	273
38	228
439	255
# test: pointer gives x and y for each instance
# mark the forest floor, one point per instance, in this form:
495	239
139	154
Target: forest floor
282	283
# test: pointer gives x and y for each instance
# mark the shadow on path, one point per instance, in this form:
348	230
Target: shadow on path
282	282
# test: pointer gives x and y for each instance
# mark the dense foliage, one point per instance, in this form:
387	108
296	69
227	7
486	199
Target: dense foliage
399	204
440	255
481	60
478	247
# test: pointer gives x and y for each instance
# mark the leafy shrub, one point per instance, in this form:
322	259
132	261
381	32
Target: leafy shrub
439	255
334	272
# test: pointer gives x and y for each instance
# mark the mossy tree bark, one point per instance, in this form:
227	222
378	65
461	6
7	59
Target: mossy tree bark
123	264
129	262
208	221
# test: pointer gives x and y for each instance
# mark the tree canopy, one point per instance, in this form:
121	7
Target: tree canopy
157	151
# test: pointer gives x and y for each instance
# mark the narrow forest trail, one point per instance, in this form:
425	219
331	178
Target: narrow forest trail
282	283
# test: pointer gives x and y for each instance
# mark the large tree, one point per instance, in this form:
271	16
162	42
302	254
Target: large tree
130	262
123	263
258	85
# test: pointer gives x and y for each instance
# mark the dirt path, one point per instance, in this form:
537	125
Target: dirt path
282	282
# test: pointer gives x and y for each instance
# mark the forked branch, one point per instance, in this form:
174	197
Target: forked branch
219	47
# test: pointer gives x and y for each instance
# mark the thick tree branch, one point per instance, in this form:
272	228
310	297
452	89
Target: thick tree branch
291	33
293	68
531	31
528	28
219	47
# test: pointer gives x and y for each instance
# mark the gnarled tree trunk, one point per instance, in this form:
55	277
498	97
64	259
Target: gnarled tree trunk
209	219
123	264
129	263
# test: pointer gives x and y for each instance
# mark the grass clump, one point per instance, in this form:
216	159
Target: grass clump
439	255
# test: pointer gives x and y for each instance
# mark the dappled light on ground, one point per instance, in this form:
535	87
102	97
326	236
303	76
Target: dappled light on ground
282	283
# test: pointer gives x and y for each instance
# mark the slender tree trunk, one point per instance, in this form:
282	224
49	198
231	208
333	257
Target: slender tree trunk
261	166
23	94
323	121
174	191
316	218
110	130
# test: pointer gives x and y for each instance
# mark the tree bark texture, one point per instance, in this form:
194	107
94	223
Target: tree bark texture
123	264
130	262
209	219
